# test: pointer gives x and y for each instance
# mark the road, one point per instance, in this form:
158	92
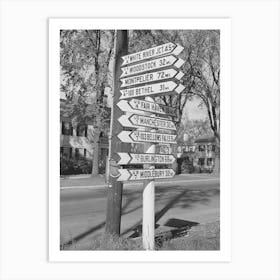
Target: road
184	198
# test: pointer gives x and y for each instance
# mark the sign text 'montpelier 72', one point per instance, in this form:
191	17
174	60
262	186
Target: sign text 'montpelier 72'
152	77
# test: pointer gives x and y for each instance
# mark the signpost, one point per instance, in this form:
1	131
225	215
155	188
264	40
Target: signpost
152	77
148	137
133	120
152	65
149	73
130	158
169	87
142	106
168	48
145	174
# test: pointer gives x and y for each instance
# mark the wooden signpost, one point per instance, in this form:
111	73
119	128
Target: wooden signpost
149	73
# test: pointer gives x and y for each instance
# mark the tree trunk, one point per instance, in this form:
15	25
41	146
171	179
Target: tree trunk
216	169
95	154
115	188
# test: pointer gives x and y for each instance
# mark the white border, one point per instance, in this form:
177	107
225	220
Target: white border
224	255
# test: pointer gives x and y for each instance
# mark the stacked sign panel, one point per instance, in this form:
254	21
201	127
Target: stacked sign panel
152	72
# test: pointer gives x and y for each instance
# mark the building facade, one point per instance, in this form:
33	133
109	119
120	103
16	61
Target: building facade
198	156
205	153
76	143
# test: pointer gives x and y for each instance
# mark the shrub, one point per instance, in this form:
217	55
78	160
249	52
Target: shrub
69	166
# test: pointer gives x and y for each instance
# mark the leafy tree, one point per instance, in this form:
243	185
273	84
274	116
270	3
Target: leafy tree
202	68
194	129
85	59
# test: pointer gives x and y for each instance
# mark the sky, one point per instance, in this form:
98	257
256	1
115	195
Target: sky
193	112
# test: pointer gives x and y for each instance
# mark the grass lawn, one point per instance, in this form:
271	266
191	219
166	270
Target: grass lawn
200	237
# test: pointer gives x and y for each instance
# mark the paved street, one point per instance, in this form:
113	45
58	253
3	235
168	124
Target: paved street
190	198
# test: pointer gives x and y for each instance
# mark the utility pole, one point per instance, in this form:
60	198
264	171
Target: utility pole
115	188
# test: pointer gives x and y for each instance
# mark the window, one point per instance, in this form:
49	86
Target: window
211	148
67	128
209	161
77	154
66	151
201	161
201	148
82	131
85	153
86	131
80	153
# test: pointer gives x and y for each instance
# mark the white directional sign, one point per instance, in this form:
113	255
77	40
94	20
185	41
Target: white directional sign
152	77
129	158
143	136
133	120
150	65
168	48
169	87
143	174
139	106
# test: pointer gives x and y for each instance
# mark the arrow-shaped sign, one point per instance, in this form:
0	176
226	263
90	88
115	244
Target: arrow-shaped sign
152	65
143	136
128	158
169	87
133	120
152	77
139	106
168	48
143	174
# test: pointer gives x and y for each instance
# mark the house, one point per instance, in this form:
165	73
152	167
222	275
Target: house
197	156
76	142
205	153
